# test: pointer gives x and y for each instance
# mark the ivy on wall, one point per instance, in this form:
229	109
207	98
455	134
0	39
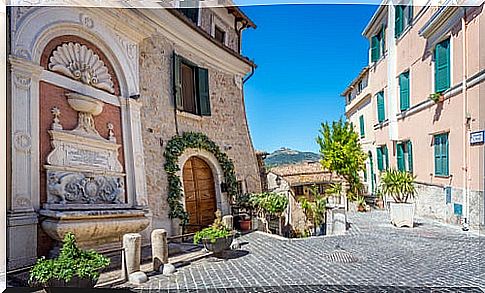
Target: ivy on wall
175	147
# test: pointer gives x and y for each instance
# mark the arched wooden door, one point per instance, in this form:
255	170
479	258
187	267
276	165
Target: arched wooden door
200	194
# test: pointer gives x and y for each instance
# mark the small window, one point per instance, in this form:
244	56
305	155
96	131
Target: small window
382	158
442	66
191	86
362	126
403	18
349	97
220	35
404	91
381	110
190	8
404	155
441	158
298	190
378	45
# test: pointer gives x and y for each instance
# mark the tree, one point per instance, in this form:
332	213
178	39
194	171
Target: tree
340	152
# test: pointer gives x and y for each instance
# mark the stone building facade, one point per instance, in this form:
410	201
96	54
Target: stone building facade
93	104
418	52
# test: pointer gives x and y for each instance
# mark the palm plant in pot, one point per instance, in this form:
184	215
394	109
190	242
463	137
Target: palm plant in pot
399	185
73	267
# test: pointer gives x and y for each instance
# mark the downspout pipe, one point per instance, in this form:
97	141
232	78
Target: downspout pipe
250	74
466	127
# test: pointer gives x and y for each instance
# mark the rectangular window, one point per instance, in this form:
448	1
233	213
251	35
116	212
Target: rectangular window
190	8
362	126
220	35
381	111
404	155
382	158
378	45
441	158
191	87
298	190
403	18
404	91
442	66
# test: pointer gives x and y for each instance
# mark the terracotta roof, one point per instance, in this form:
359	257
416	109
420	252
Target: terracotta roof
304	173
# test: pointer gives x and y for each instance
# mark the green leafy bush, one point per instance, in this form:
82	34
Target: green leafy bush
211	233
71	262
270	203
398	184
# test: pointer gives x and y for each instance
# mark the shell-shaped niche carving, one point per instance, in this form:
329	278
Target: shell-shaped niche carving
81	63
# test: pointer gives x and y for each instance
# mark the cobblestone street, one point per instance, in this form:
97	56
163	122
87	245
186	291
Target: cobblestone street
372	253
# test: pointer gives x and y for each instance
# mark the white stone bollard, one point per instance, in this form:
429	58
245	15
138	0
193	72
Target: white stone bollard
227	221
159	248
131	258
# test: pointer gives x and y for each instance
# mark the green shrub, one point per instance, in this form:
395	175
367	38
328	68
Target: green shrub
211	233
270	203
71	262
398	184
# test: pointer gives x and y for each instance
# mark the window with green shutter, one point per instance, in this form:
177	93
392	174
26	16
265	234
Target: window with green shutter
191	87
362	126
375	50
380	159
442	66
386	156
401	166
404	91
402	18
409	149
441	157
381	112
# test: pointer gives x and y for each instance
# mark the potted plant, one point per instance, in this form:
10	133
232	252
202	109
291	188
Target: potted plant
73	267
242	201
437	97
361	205
399	185
215	238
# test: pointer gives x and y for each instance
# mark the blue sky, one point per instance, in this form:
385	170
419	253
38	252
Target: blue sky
306	56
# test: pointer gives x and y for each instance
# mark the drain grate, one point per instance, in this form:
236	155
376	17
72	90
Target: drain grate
341	256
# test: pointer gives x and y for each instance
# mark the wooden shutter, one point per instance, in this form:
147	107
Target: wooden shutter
386	156
381	112
442	66
400	157
444	154
362	126
382	38
380	161
375	48
203	91
409	146
398	20
177	82
438	170
404	91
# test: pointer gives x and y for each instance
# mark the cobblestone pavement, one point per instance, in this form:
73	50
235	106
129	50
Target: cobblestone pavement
372	253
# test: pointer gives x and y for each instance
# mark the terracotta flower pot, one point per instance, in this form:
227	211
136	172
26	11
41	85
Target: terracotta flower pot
245	225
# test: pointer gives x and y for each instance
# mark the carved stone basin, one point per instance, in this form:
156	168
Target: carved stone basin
98	229
85	104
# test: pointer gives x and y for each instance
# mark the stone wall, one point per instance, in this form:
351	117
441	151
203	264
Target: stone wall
431	202
227	126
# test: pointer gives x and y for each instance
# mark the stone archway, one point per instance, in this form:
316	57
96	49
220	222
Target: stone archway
199	193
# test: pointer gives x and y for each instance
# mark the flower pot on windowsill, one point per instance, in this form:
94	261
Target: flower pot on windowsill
437	97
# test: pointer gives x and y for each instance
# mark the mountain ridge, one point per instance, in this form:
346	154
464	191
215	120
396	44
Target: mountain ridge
284	156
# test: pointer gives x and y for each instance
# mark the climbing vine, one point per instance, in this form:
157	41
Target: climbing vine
175	147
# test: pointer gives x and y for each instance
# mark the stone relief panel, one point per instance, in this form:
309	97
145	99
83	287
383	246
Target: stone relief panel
80	188
81	63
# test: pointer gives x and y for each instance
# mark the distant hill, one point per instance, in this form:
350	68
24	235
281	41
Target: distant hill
285	156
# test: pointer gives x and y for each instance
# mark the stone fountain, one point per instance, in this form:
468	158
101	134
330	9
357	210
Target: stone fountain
86	191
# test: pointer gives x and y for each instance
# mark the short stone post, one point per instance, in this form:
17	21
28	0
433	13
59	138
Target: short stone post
131	258
228	222
159	248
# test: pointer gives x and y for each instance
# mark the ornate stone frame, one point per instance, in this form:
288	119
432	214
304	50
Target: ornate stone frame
32	29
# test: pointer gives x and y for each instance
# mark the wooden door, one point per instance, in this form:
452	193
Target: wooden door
200	194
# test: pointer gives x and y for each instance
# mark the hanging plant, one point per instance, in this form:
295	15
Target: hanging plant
175	147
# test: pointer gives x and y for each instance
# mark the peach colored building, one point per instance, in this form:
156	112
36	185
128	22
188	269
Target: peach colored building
420	101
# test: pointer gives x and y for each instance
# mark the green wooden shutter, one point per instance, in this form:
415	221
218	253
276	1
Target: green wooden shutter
404	91
400	157
374	48
442	66
362	126
410	156
177	82
386	156
381	112
383	39
380	161
203	91
444	155
398	20
437	155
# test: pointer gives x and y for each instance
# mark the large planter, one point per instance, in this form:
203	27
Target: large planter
245	225
402	214
219	245
57	285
